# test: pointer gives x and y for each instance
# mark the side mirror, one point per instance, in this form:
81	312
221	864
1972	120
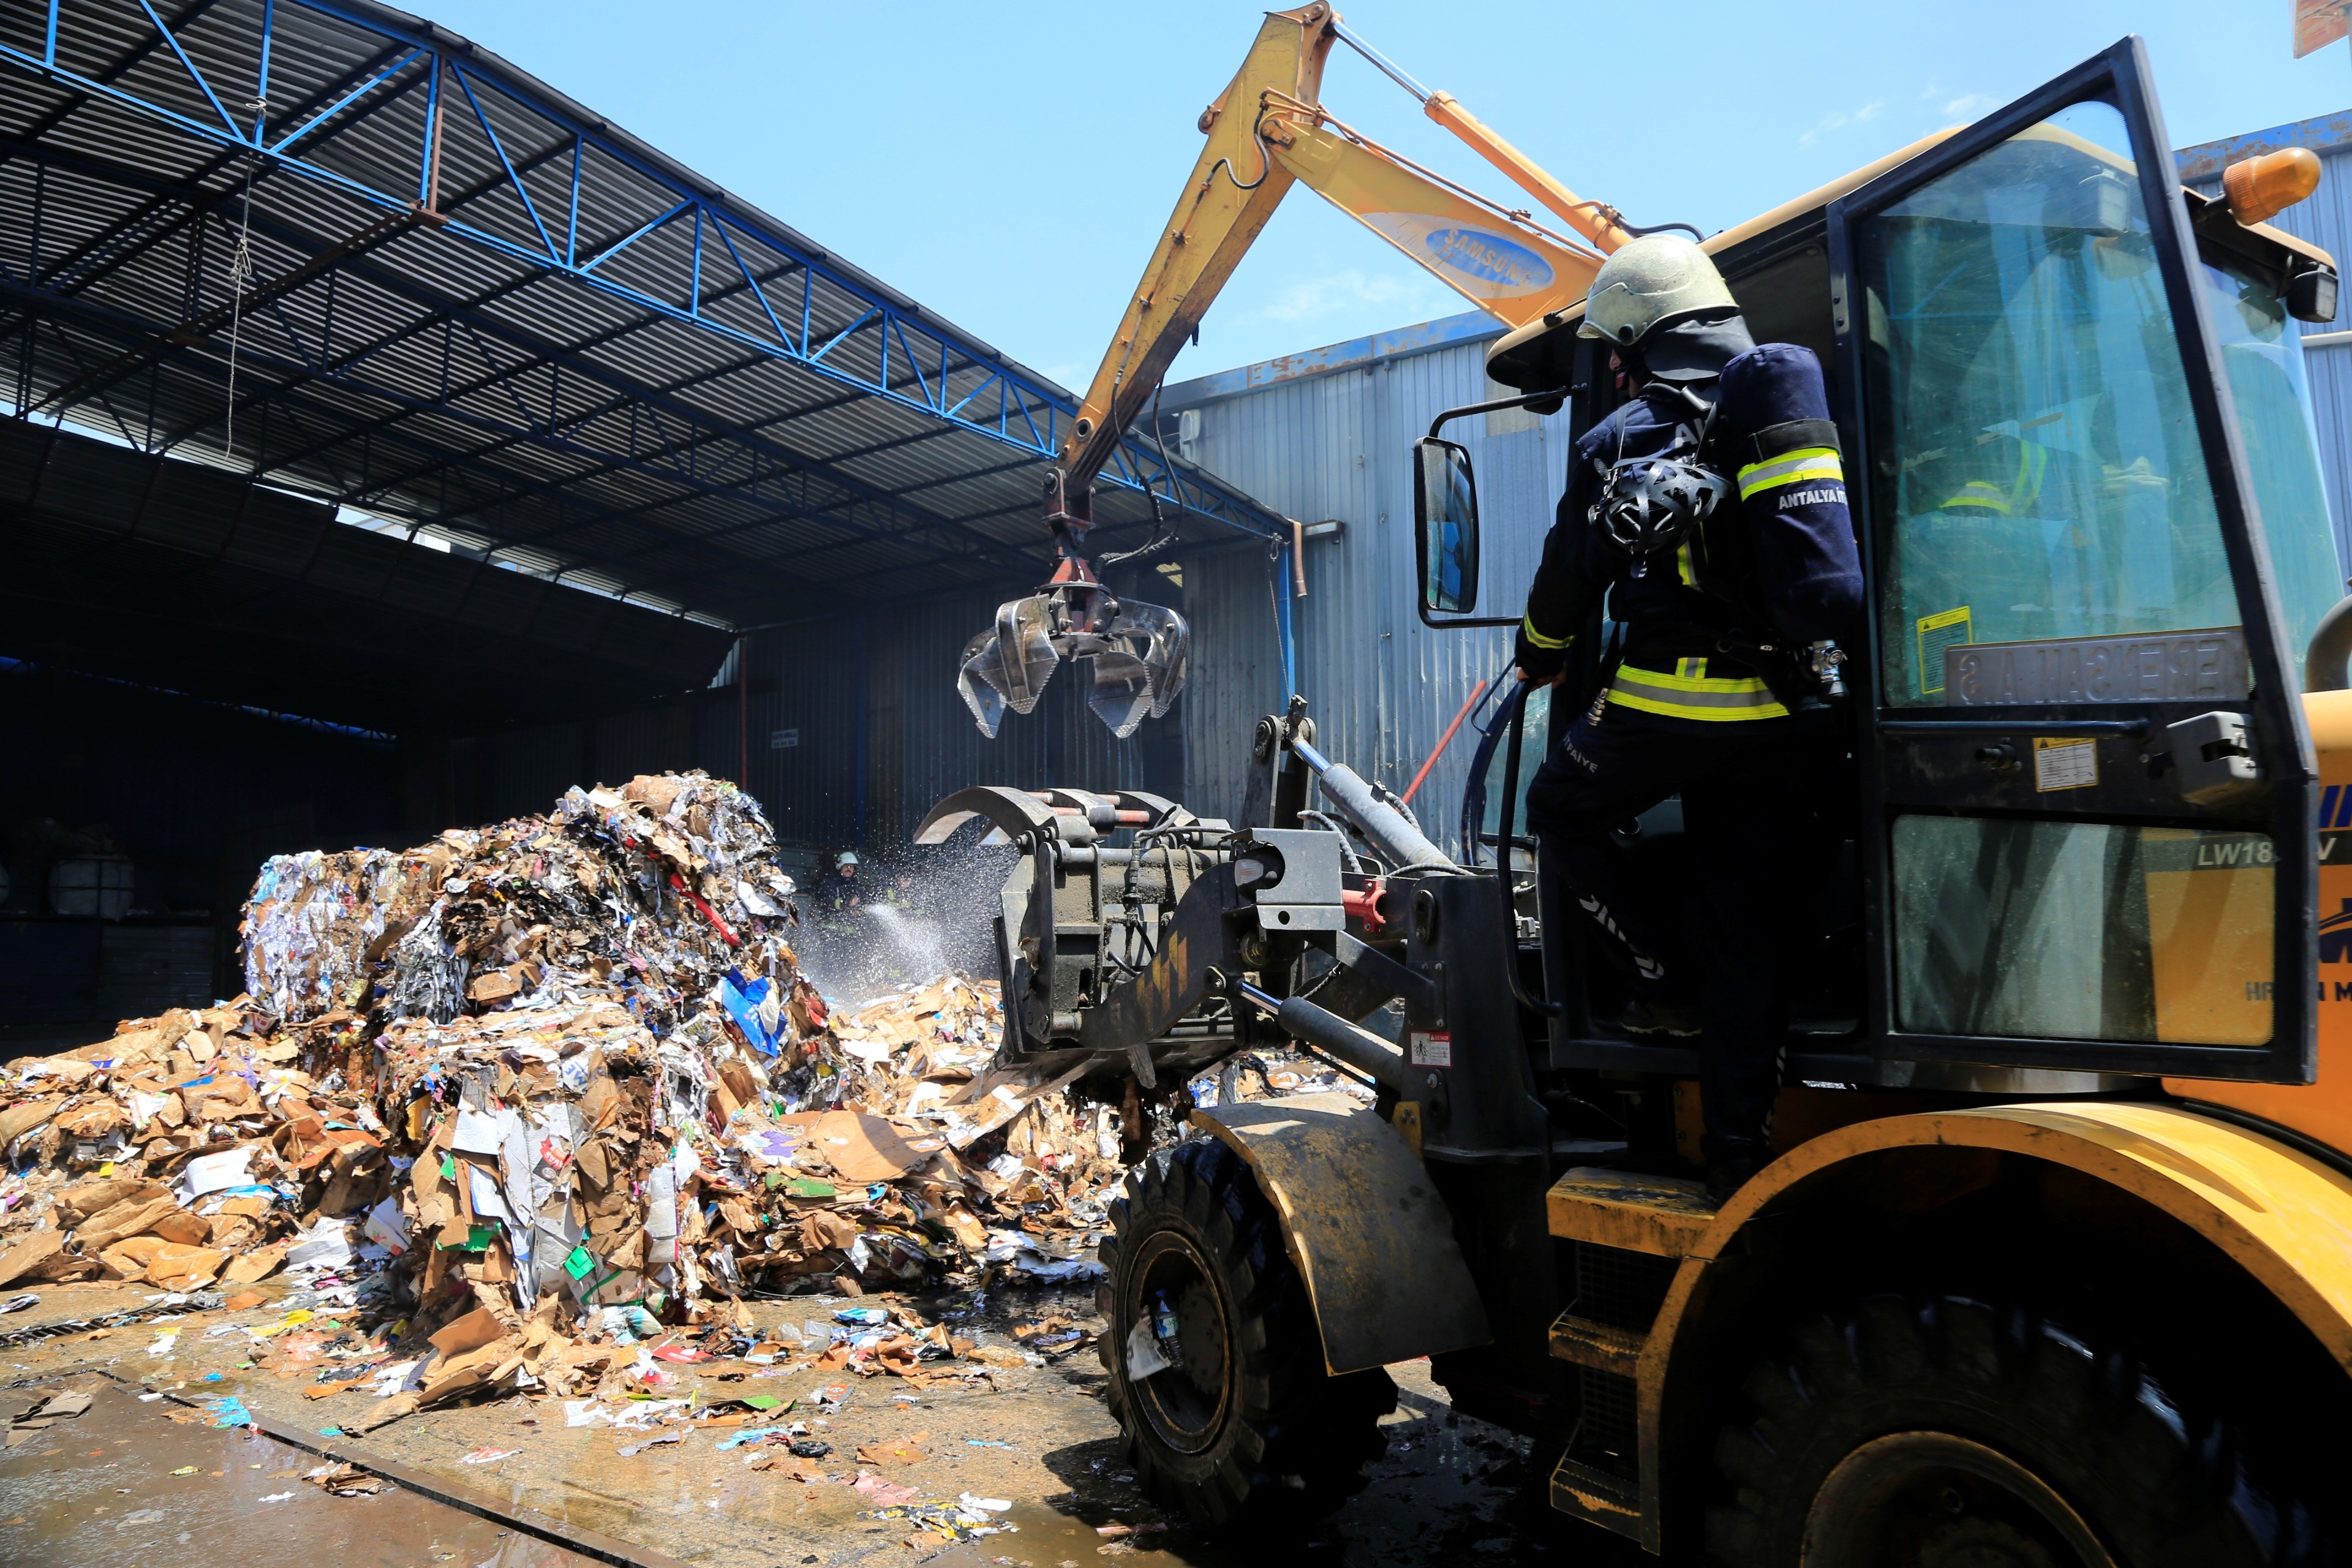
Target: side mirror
1446	526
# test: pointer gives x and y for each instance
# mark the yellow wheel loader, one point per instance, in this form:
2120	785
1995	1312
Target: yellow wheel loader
2053	1265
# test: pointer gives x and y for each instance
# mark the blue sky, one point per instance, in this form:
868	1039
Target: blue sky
1009	164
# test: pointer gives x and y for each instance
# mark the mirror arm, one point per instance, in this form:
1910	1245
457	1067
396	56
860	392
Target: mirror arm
1543	403
1556	397
1459	623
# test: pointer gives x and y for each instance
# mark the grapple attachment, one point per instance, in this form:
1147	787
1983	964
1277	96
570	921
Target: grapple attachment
1138	651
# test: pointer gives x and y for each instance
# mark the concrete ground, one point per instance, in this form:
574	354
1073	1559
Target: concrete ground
1450	1487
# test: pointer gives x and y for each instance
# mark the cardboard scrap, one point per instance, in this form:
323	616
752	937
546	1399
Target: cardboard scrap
475	1329
345	1480
29	1254
865	1148
46	1411
895	1450
540	1070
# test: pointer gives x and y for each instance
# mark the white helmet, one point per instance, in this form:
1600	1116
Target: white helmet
1656	278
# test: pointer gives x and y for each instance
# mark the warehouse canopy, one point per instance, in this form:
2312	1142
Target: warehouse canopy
338	248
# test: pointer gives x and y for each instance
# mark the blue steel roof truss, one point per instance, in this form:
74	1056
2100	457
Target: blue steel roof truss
572	347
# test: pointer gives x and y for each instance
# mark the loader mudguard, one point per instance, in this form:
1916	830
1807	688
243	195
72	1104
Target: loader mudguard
1364	1225
2283	1216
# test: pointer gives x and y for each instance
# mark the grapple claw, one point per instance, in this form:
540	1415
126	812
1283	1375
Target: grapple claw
1122	694
987	707
1161	640
1008	666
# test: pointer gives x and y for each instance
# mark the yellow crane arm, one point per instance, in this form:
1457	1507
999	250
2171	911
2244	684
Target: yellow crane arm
1500	260
1234	188
1266	129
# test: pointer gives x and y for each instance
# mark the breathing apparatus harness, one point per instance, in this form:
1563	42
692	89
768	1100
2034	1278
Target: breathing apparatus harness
1651	505
1655	505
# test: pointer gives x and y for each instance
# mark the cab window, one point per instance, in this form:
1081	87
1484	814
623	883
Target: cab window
2086	930
2035	472
2263	354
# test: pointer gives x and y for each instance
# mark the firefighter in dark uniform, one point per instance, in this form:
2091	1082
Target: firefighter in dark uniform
839	898
1711	511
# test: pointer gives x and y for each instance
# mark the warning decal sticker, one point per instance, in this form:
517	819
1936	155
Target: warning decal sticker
1937	633
2061	763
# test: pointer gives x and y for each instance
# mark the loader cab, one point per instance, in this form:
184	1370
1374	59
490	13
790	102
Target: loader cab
2086	488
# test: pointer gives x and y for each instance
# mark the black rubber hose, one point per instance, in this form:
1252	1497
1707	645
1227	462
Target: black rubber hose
1543	1007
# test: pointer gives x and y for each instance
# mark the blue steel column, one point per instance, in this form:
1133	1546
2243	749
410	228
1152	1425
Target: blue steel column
1283	625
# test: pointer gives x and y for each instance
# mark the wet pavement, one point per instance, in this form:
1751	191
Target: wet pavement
99	1488
122	1483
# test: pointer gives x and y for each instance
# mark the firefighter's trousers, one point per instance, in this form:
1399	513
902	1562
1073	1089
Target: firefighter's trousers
1756	805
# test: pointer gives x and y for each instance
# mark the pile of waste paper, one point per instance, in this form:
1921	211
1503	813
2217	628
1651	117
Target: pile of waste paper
528	1084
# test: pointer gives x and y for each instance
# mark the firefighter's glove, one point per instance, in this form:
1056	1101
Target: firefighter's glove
1539	664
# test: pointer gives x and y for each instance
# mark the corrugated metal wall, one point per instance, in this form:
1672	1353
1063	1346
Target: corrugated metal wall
1237	671
2326	220
1335	442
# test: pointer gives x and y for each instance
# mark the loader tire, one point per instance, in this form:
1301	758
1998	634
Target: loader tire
1910	1434
1249	1432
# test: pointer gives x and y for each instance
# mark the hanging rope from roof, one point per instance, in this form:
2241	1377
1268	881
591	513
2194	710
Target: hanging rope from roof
240	278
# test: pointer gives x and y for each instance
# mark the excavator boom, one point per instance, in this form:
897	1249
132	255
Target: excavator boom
1513	270
1265	131
1234	187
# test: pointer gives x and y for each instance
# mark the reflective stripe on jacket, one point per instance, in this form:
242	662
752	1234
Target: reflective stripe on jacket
1687	691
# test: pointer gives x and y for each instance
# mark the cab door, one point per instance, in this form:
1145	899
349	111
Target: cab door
2088	791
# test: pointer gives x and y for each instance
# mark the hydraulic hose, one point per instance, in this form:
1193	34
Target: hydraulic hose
1541	1006
1406	847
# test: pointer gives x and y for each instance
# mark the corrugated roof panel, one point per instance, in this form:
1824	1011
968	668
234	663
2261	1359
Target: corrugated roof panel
562	381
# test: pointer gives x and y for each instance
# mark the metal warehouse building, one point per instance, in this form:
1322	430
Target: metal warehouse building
395	443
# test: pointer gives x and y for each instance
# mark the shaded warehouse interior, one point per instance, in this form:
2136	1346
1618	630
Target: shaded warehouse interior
394	442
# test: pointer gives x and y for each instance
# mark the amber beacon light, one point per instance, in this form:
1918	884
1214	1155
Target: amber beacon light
2258	188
